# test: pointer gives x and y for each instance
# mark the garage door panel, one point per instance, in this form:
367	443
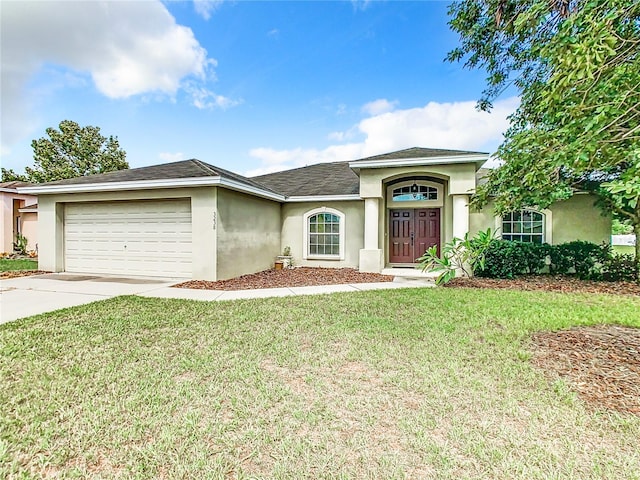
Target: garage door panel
148	238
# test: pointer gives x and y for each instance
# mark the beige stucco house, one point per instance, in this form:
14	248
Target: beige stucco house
18	216
190	219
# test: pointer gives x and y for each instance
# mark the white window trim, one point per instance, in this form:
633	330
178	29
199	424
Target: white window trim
305	234
547	234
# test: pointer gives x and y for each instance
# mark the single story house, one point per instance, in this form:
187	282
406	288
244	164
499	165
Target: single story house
18	216
193	220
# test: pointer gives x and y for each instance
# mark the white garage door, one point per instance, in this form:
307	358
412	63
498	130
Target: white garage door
148	238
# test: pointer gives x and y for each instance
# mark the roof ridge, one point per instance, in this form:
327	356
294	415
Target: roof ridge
205	167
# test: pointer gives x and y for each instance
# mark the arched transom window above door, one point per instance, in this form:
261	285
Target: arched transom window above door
413	192
418	192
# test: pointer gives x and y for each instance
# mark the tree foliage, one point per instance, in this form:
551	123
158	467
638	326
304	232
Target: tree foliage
576	65
72	151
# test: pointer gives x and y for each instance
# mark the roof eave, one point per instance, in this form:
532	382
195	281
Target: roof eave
152	185
478	159
323	198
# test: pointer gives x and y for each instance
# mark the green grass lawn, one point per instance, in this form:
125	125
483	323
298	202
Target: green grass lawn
413	383
626	249
7	264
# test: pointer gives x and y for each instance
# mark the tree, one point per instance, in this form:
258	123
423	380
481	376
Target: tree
72	151
8	175
576	65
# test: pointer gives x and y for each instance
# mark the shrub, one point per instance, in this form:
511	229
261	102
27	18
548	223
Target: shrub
508	259
621	268
463	255
20	245
486	256
584	258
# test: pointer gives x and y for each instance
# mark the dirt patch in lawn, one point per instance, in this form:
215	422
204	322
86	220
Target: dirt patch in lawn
551	283
602	364
290	277
21	273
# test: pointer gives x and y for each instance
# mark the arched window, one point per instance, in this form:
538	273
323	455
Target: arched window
409	193
524	226
324	234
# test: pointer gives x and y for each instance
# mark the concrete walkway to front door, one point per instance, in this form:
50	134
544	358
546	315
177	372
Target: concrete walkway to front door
26	296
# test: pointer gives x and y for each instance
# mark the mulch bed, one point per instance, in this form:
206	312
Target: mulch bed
602	364
289	277
20	273
551	283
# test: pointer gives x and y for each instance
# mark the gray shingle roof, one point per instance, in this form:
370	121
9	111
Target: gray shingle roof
323	179
320	179
183	169
417	152
481	176
14	184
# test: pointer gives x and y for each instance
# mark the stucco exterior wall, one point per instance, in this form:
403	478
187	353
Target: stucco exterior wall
30	228
8	218
578	219
293	232
203	207
248	234
574	219
461	177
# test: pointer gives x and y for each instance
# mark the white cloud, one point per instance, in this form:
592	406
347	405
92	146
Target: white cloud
277	160
126	48
382	105
171	157
456	126
360	4
203	99
205	8
274	32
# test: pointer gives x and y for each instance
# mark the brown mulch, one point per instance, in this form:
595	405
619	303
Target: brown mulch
550	283
20	273
289	277
601	363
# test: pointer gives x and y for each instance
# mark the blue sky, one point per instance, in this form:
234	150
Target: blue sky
252	87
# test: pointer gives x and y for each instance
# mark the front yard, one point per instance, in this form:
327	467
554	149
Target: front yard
426	383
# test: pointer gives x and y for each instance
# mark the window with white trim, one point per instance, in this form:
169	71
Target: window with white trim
524	226
324	234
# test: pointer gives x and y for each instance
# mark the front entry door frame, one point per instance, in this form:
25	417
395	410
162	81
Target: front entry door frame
411	232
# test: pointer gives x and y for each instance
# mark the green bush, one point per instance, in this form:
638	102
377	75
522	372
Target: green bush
460	255
585	259
494	258
508	259
20	245
621	268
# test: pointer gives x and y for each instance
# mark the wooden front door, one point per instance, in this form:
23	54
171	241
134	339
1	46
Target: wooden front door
412	232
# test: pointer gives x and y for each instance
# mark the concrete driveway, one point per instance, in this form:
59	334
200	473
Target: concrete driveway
26	296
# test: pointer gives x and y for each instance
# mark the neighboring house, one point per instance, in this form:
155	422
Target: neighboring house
18	216
189	219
